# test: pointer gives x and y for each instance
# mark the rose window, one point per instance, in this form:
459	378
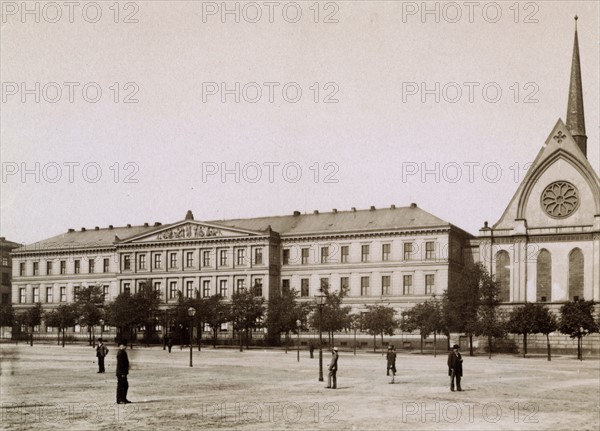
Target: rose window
560	199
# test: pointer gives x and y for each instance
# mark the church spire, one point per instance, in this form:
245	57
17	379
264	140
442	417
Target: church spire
575	117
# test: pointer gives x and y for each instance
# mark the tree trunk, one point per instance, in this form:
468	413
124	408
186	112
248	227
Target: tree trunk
524	344
448	340
434	344
548	346
214	338
31	337
63	331
490	346
579	348
382	344
286	341
470	344
241	332
421	344
374	343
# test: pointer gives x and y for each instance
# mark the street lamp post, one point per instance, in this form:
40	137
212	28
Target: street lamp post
299	325
101	328
320	302
191	314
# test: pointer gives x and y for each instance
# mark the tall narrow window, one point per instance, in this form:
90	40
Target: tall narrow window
385	284
105	265
63	294
36	294
223	288
285	285
324	254
91	266
408	250
157	261
385	251
257	288
430	250
189	259
575	274
544	276
49	268
429	283
364	253
364	286
49	295
105	292
345	285
407	283
222	257
22	295
503	275
189	289
142	261
345	251
77	266
240	256
22	268
258	256
240	285
286	256
127	288
205	288
304	287
63	267
206	258
76	293
304	256
173	260
172	289
127	262
36	268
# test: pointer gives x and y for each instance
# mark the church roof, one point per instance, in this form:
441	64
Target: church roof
411	217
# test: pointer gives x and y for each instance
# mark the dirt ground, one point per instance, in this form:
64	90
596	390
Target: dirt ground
49	387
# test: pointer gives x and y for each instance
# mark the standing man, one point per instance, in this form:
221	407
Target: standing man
122	372
333	369
391	362
455	367
101	352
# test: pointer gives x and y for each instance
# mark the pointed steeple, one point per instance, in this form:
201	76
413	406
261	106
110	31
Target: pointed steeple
575	117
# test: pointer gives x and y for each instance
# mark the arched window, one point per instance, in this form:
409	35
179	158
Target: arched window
575	274
503	275
544	277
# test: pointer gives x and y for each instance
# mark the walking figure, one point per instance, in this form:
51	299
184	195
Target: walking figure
455	369
333	369
391	362
101	352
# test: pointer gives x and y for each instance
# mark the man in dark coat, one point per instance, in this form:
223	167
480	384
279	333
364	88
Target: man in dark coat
391	362
101	352
455	367
333	369
122	372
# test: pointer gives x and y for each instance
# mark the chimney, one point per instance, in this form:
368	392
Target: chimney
110	226
82	229
353	209
189	215
128	225
316	212
393	207
145	224
296	213
372	207
335	210
157	223
96	228
413	205
485	225
71	230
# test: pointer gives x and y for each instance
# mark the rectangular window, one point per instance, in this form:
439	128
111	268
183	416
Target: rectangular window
324	283
36	294
76	293
22	295
364	286
206	258
49	268
63	267
105	292
324	254
223	288
385	251
240	256
407	285
285	285
173	290
158	261
4	261
189	259
77	266
126	262
157	287
258	256
91	266
189	289
430	250
304	287
408	250
205	288
127	288
429	283
222	257
364	253
345	252
63	294
36	268
240	285
172	260
142	261
345	285
304	256
22	268
286	256
106	265
257	287
49	295
385	284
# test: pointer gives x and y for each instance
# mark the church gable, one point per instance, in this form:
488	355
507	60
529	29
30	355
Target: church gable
560	188
192	230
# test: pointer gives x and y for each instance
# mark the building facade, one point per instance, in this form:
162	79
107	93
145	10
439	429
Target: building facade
6	270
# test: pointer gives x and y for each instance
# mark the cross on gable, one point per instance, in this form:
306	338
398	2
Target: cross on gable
559	137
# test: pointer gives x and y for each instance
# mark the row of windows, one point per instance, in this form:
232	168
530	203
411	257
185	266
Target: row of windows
62	267
189	256
409	253
365	285
49	294
191	291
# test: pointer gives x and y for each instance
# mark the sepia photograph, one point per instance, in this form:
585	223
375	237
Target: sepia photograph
300	215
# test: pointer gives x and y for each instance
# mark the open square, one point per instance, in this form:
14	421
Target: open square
48	387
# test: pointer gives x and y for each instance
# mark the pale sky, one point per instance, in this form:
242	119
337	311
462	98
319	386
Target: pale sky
164	154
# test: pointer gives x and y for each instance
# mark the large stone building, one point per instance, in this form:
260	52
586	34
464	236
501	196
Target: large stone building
545	247
6	270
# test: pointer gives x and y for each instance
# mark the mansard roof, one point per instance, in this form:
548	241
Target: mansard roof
401	218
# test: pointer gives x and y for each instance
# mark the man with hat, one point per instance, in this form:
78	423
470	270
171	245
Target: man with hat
455	367
333	369
101	352
391	362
